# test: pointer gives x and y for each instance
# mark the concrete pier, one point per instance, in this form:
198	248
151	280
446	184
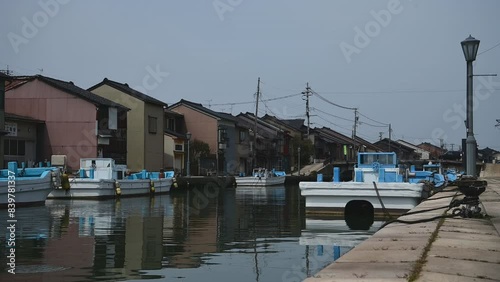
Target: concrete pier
445	249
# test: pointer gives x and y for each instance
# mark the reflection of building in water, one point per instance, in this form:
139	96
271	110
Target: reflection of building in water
71	252
143	243
194	234
208	225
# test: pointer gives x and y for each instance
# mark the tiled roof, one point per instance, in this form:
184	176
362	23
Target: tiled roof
123	87
264	129
176	134
334	135
199	107
68	87
297	124
9	116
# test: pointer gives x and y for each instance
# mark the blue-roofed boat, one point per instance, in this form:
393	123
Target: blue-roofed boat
431	172
22	186
379	186
102	178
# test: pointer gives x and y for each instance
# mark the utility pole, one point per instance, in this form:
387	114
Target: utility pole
356	118
254	148
307	93
390	135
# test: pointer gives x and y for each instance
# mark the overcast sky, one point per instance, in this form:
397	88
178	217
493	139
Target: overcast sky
398	62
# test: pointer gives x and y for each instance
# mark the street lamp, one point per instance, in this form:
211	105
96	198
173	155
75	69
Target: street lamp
470	46
188	136
299	159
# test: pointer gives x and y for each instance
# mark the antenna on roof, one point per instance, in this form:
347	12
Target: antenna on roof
209	103
40	70
6	71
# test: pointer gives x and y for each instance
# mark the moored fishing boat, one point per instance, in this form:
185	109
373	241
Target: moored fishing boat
378	187
261	177
102	178
26	186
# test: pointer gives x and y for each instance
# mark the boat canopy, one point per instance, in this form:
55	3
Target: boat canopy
386	160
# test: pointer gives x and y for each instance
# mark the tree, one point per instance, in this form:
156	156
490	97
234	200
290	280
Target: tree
197	149
306	150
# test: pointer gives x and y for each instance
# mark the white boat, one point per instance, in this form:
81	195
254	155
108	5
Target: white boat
377	188
102	178
261	177
26	186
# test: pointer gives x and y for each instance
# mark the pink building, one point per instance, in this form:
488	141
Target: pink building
78	123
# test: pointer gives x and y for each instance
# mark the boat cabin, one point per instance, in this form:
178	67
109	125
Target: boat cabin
101	168
377	167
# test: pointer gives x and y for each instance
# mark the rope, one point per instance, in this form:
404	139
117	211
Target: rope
386	213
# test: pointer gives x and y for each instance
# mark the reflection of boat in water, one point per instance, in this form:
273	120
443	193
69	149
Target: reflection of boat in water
262	194
32	223
327	240
99	217
335	233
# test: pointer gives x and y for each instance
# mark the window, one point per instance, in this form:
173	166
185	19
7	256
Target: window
152	124
178	147
171	124
14	147
243	135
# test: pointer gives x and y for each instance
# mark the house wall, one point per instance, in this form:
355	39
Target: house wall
231	156
70	122
174	159
168	149
153	159
26	131
201	126
135	125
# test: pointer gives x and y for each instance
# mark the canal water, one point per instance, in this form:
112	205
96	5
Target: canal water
204	234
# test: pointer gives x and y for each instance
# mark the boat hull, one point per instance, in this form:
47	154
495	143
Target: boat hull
106	188
259	181
28	191
334	196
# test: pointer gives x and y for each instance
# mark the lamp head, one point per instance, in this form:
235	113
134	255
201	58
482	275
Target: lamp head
470	46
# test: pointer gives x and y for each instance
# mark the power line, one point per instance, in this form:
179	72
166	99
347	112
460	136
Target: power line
496	45
394	91
253	102
385	124
332	103
346	119
372	125
340	126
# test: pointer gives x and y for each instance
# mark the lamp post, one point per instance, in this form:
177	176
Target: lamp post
188	172
470	46
299	159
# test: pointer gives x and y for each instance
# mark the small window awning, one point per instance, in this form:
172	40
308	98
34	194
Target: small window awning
105	136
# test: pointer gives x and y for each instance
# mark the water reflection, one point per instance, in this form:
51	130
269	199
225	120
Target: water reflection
208	233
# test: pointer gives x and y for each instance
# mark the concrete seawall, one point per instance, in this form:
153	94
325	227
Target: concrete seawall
490	170
443	249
